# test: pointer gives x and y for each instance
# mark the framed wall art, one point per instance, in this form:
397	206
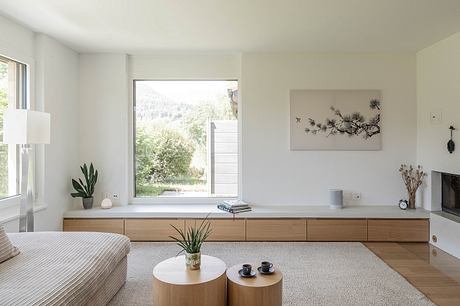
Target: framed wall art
335	120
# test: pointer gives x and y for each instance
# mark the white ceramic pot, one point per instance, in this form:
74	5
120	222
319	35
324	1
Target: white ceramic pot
106	203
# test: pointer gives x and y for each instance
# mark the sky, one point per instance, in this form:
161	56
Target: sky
191	92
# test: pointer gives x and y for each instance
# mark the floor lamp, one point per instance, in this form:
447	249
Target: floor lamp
26	128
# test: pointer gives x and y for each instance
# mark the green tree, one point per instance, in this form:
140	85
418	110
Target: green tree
161	153
3	148
195	121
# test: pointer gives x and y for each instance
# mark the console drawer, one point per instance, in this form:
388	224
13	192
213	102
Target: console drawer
276	230
398	230
336	230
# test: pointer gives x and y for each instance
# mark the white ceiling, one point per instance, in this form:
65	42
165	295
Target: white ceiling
141	26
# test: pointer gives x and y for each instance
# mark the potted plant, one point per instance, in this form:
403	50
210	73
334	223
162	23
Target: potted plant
413	179
85	190
190	242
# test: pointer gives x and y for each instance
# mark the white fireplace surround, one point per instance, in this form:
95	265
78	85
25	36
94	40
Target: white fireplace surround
436	191
444	227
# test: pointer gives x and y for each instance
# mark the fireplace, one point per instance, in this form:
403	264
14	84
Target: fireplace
450	193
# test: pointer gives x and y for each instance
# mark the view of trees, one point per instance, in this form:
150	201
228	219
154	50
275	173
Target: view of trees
161	153
171	138
3	148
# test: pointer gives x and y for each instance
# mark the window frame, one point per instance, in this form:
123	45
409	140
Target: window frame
28	102
18	101
132	151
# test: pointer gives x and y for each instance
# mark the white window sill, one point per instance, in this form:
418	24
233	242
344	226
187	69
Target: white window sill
179	200
11	212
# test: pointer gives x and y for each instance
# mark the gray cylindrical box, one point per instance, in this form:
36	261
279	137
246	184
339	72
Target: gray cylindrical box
335	198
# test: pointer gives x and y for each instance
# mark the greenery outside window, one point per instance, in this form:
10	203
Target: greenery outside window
13	94
185	138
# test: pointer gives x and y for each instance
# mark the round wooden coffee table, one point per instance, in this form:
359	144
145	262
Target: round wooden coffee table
174	285
261	290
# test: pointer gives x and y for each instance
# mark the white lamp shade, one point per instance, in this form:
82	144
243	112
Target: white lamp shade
21	126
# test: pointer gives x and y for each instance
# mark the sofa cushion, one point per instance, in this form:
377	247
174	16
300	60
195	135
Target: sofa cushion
7	250
56	268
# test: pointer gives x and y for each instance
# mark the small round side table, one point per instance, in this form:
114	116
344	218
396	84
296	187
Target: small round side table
261	290
174	285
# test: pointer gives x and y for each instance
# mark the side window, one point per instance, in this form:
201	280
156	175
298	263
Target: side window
13	94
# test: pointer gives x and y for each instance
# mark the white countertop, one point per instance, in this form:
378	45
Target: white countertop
447	216
200	211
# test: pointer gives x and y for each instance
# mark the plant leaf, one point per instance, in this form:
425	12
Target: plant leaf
77	186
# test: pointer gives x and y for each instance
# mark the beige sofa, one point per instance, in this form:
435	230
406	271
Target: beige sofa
56	268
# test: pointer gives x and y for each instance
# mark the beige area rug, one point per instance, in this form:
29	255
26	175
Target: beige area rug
314	273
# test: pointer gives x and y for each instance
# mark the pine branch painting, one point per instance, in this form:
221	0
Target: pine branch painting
353	124
335	120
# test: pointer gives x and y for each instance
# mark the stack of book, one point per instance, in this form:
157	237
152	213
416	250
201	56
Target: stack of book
234	206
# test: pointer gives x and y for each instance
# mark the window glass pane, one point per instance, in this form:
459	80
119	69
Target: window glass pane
9	98
186	138
3	148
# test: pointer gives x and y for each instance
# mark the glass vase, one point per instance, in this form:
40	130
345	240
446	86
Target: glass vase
193	260
411	200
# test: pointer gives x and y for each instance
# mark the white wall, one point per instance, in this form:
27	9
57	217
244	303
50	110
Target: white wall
178	67
103	123
185	66
438	91
16	42
54	77
105	107
57	93
272	174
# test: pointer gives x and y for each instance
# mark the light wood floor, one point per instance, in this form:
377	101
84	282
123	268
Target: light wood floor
431	270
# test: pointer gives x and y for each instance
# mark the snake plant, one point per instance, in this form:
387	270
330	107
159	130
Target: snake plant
85	189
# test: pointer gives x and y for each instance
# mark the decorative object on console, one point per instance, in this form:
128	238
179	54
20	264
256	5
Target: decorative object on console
403	204
335	120
190	240
234	206
335	198
26	128
106	203
413	179
85	190
451	143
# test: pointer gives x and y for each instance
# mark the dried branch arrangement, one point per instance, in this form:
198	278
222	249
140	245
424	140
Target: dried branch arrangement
413	179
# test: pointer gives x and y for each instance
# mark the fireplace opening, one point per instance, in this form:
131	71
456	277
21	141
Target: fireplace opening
451	193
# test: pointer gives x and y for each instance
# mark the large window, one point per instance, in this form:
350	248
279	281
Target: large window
13	94
186	138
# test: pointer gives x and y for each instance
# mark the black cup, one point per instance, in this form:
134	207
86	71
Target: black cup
247	268
266	266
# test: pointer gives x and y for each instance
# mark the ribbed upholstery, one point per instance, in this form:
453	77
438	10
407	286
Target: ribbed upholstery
111	285
56	268
7	250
